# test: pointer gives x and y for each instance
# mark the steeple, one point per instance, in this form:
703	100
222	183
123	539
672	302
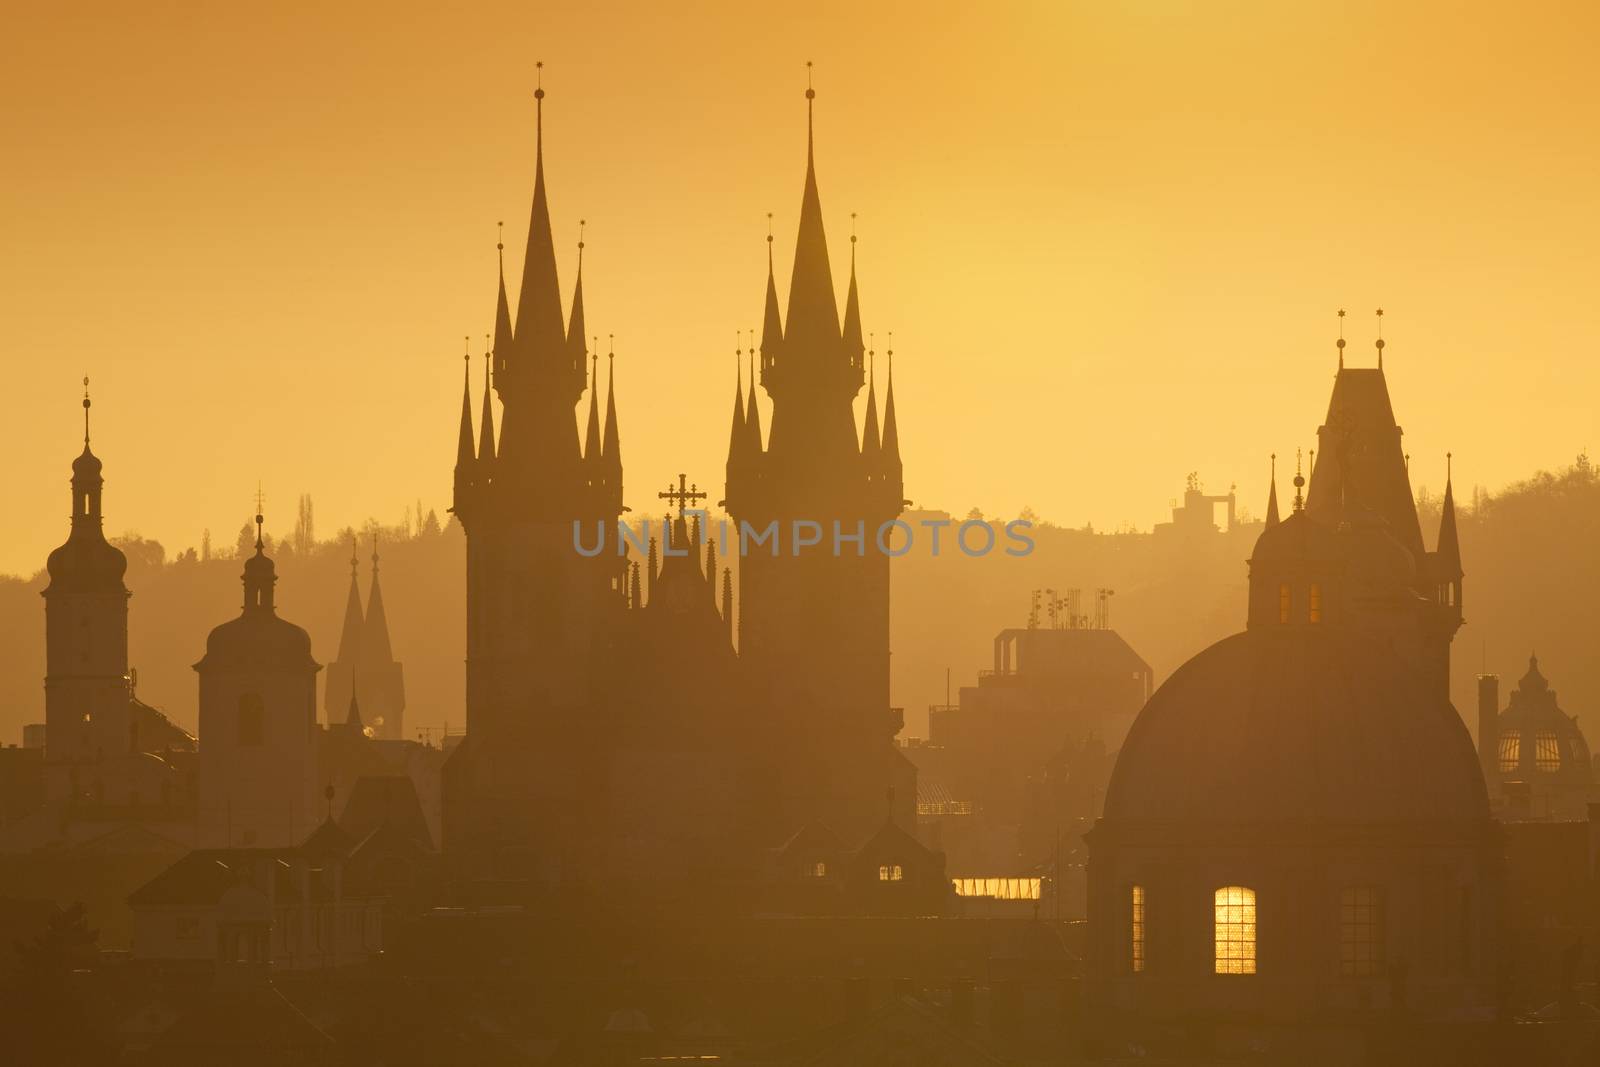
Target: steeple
612	449
466	460
727	600
752	413
575	325
538	332
486	425
375	646
812	323
891	428
771	323
591	436
852	307
352	718
1449	550
871	447
259	574
1272	495
502	309
86	480
350	632
736	432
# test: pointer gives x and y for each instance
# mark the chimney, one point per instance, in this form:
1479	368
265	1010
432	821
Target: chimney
1489	729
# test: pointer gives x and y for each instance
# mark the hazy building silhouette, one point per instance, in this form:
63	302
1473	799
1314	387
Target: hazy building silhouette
814	623
258	722
1535	757
1296	824
365	665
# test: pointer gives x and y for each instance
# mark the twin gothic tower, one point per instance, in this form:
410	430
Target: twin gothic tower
565	649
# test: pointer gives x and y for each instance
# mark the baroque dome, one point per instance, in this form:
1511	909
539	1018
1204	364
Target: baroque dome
1306	723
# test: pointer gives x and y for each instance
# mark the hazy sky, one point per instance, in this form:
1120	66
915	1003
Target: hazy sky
1109	237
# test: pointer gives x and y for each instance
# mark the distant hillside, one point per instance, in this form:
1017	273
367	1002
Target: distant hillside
1530	550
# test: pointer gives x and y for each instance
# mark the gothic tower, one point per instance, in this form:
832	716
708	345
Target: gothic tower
258	722
814	620
540	615
339	683
380	680
87	705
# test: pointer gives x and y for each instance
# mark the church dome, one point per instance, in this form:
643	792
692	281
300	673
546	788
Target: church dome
257	640
87	563
1298	539
1307	723
86	466
1537	740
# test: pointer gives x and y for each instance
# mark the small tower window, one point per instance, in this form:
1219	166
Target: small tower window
1285	600
1235	930
1314	603
1546	751
251	714
892	873
1510	751
819	869
1360	931
1136	929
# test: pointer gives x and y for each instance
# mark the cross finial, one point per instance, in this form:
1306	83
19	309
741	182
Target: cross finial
685	494
85	411
1340	342
1379	343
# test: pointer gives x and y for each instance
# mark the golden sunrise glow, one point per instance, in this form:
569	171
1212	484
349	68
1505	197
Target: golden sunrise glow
1136	929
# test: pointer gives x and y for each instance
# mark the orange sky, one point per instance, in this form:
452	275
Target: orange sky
1109	237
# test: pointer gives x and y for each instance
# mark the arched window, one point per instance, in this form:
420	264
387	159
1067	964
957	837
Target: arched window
1234	926
251	714
1285	600
1360	931
1510	751
1136	929
1314	603
1546	751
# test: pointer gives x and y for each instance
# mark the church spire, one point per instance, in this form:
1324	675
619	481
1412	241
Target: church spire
736	432
752	413
1449	550
612	449
891	428
352	717
813	318
771	322
486	424
350	632
464	453
1272	495
538	332
259	574
871	447
852	307
591	435
375	646
575	325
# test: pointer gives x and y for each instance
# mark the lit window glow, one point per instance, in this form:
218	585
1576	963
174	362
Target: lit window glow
819	869
1284	600
1314	604
1235	926
1510	751
891	874
1546	751
944	807
998	888
1136	929
1360	931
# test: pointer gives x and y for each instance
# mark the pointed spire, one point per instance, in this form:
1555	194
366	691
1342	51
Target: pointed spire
711	560
486	424
464	453
575	325
634	598
651	567
86	410
752	413
502	309
852	307
350	632
891	428
813	318
612	449
736	432
1449	550
871	447
727	600
352	717
538	332
591	435
771	322
375	646
1272	495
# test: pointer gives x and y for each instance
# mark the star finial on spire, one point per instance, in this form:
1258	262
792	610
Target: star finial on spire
1379	343
1340	342
86	410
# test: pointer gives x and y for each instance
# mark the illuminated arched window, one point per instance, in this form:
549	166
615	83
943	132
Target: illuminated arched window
1136	929
1510	751
1284	601
1546	751
1314	603
1235	930
1360	931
